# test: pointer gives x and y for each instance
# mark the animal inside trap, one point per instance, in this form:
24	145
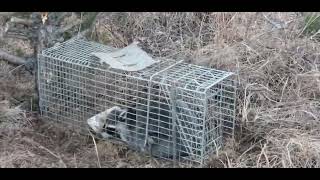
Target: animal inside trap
167	108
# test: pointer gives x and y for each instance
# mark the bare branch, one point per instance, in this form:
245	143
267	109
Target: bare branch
7	13
17	20
15	35
11	58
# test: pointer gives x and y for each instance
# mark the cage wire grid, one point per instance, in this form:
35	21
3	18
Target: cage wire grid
180	111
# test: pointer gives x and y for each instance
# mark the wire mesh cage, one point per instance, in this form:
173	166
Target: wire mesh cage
171	110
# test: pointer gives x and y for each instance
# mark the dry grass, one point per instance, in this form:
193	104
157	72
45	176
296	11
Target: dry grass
277	68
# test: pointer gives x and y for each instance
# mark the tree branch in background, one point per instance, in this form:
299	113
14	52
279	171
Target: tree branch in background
11	58
41	35
17	20
7	13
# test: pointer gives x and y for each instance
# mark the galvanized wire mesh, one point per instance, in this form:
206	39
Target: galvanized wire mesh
171	110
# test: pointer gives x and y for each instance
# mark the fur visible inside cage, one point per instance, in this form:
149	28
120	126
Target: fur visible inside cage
170	109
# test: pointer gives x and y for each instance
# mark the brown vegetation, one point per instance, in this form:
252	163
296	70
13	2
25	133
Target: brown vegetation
275	57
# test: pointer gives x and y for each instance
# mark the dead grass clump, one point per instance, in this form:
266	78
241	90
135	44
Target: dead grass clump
16	86
15	95
13	117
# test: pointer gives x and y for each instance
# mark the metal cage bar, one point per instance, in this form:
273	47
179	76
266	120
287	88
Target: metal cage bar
171	110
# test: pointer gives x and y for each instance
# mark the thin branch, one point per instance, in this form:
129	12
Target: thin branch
17	20
7	13
16	35
11	58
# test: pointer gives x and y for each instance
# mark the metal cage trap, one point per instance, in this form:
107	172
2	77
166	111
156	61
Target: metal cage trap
172	110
